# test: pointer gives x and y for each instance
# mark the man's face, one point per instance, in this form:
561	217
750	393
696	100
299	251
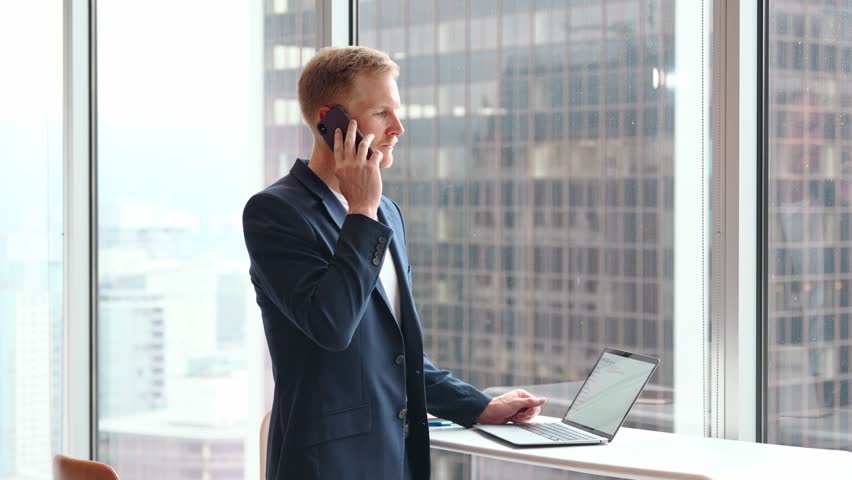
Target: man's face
373	104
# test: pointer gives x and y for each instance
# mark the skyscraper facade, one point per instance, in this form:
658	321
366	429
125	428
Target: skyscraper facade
537	176
810	224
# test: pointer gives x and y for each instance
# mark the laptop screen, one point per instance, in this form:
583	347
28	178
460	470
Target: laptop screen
605	399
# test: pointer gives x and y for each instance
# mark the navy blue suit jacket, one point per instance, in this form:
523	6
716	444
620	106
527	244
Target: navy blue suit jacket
347	376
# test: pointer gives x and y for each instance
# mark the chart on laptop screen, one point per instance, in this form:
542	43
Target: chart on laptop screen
609	392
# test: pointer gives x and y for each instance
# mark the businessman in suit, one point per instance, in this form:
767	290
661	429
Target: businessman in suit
330	269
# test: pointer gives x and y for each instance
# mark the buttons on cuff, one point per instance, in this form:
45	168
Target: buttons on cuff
402	413
380	249
399	359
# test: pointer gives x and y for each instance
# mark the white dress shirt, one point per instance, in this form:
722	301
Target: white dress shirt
388	277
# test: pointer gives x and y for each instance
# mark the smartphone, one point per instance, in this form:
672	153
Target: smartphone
334	119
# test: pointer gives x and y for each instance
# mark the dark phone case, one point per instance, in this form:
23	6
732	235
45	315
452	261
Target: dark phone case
334	119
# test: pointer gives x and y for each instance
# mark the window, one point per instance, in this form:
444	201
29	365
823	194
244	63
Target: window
32	336
808	272
610	173
552	181
191	122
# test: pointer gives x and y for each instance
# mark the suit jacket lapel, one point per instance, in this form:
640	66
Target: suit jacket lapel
389	217
396	233
316	186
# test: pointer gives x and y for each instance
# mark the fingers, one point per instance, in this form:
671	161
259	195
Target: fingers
349	142
338	146
520	419
358	180
364	147
526	416
347	148
377	156
528	403
521	393
528	408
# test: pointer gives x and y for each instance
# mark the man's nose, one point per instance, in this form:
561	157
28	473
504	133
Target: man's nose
397	129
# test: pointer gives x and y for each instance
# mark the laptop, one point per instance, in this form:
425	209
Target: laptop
597	411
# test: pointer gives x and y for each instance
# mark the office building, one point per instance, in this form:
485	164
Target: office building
535	174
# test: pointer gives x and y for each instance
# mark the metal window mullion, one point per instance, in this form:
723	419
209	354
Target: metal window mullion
745	368
762	200
352	21
690	148
725	200
732	357
79	226
336	22
722	252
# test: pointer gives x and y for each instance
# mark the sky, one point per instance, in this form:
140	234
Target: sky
30	111
180	118
180	103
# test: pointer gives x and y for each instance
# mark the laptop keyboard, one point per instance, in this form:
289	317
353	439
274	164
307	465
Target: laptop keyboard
556	431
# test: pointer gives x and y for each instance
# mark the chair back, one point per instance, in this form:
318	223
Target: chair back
67	468
264	436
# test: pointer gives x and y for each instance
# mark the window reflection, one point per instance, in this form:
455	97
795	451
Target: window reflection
550	155
809	227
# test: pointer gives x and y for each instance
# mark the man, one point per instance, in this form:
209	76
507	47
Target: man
333	282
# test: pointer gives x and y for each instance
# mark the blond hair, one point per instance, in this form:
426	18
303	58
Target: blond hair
329	76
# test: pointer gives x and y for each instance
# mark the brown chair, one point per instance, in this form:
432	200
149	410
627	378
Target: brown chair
67	468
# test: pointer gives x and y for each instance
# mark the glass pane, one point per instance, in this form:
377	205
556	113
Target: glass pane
537	176
31	238
810	206
196	102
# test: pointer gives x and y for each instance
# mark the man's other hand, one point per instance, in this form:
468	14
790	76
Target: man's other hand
517	406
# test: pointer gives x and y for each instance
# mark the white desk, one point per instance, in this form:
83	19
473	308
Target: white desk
644	454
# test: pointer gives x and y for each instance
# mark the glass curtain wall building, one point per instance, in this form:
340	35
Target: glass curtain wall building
810	224
537	178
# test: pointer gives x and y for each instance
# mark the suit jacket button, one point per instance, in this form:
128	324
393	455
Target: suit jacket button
402	413
376	262
382	240
399	359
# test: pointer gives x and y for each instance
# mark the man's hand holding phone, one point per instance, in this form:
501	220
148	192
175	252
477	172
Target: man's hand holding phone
359	177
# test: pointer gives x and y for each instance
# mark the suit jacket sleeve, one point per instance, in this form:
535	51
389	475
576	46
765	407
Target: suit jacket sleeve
450	398
323	297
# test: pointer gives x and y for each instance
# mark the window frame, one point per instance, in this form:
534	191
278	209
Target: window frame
739	229
80	236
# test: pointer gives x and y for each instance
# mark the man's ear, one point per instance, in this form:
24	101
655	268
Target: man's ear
323	111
